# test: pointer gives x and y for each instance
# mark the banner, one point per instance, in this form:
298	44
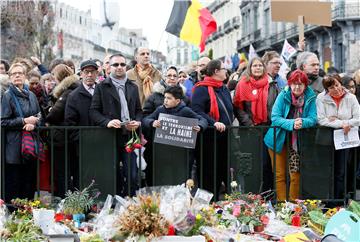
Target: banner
176	131
252	52
287	51
228	62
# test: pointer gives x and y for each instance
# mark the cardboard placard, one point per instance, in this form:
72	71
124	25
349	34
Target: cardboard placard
314	12
176	131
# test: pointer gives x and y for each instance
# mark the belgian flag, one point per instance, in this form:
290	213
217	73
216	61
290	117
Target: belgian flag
191	22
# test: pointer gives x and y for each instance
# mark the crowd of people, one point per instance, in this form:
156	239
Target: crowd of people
127	94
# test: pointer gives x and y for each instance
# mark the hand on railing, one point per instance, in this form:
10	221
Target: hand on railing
115	123
31	120
196	128
298	123
220	126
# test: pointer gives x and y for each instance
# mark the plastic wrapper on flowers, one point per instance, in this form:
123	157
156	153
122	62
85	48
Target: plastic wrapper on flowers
104	221
174	205
3	214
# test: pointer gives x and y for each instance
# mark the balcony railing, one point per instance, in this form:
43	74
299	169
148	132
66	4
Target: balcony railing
98	158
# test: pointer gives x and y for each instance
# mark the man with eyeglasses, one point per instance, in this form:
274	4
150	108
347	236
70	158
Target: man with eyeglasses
197	75
116	104
144	73
272	63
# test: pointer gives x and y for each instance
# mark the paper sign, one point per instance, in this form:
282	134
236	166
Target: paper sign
176	131
342	141
314	12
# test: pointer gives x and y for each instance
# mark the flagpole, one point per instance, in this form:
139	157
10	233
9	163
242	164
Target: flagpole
162	33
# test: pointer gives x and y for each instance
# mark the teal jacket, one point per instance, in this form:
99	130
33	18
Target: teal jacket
281	110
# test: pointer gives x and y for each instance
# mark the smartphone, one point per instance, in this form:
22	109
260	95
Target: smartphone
123	123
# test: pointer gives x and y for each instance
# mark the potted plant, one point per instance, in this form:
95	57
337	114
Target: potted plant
77	202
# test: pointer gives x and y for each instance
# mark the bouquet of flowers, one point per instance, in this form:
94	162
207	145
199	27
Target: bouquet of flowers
142	218
133	143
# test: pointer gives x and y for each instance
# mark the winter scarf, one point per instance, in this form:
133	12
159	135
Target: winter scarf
256	92
211	84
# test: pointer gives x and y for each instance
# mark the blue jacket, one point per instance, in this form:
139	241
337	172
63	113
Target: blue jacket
200	103
280	81
189	84
279	118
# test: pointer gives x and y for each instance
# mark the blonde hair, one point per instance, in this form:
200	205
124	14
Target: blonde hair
356	76
17	64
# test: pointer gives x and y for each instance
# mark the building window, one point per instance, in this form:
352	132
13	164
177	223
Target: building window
178	56
60	12
266	22
256	17
80	20
186	56
244	24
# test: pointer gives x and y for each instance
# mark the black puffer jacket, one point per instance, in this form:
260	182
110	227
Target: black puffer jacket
10	117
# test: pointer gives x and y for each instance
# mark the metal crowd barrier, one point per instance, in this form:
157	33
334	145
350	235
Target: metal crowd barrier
241	160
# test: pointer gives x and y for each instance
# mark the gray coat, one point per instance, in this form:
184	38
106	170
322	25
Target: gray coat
347	113
10	117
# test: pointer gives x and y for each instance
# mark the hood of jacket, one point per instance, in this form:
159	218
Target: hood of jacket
176	109
159	87
65	84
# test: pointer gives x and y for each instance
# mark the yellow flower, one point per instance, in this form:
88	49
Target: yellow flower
198	216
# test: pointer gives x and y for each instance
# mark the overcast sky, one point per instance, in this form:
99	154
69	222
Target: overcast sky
150	15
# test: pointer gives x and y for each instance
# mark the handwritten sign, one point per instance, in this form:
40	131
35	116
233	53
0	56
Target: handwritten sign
176	131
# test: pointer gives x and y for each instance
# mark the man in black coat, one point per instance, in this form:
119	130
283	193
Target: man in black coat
79	101
77	112
116	104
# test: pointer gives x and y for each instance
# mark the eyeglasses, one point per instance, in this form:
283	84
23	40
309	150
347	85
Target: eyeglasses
86	72
118	64
172	76
17	73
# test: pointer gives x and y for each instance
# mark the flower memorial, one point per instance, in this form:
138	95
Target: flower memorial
159	212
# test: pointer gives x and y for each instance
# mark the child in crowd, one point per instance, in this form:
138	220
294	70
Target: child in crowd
174	105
